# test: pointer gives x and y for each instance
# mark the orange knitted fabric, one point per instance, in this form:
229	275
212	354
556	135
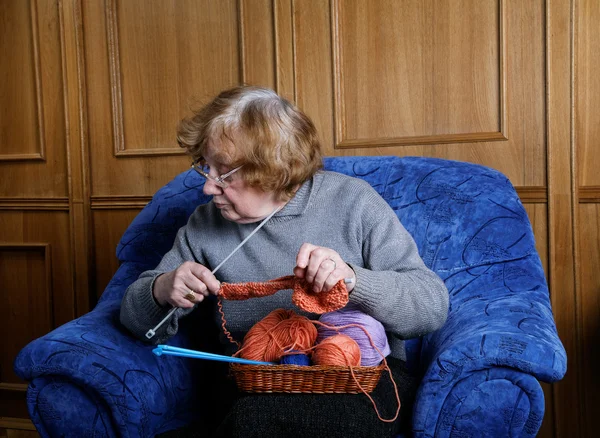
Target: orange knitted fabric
302	297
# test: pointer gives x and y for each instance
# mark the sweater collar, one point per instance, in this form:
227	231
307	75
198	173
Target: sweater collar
301	200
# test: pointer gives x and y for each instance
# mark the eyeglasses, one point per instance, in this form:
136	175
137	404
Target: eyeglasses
204	169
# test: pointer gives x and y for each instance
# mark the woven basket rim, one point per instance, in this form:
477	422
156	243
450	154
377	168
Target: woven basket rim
316	379
312	368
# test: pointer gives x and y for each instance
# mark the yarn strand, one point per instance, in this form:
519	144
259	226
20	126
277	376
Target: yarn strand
385	365
223	322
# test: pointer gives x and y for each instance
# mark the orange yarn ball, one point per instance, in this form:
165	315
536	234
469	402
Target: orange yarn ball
337	350
279	332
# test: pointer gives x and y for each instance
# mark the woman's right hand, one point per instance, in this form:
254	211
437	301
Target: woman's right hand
188	279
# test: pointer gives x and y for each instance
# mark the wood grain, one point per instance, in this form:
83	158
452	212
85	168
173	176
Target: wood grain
26	278
257	26
587	92
32	134
589	254
109	226
385	89
405	102
562	199
22	133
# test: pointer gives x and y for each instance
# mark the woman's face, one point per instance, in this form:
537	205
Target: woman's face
238	202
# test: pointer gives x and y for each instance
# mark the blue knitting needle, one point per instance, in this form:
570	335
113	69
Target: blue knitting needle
183	352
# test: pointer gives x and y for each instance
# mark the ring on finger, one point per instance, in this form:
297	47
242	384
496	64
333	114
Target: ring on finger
190	296
334	263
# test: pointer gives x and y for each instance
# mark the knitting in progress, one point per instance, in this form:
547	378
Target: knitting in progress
308	301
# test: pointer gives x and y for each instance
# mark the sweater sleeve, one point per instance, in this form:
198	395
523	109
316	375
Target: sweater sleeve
394	285
139	310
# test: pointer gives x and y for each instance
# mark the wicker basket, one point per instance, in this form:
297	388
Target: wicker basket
317	379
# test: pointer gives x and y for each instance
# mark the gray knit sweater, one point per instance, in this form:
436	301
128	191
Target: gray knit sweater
331	210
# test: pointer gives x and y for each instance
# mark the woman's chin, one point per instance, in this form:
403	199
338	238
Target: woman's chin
229	214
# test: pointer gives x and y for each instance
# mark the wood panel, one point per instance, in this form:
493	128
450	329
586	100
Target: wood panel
589	254
587	122
449	90
538	216
587	139
403	97
258	42
48	228
37	290
109	226
17	433
147	64
26	278
17	428
23	139
32	128
562	213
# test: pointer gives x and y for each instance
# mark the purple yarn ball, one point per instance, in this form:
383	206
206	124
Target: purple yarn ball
351	315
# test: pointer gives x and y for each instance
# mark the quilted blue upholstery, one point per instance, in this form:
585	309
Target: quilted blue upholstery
480	371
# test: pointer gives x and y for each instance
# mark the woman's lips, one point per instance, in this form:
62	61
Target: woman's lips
220	206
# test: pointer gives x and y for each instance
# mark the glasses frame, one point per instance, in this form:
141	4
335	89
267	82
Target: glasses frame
218	180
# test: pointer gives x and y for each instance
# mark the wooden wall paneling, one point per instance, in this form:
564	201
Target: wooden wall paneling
77	154
562	213
35	274
22	139
589	254
52	228
313	74
427	80
26	276
587	137
110	222
147	64
257	42
31	112
35	268
587	123
526	94
334	50
17	428
538	216
284	49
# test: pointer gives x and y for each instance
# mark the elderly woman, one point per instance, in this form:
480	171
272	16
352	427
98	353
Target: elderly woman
260	155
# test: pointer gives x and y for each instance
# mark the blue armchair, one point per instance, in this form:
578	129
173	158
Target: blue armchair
479	372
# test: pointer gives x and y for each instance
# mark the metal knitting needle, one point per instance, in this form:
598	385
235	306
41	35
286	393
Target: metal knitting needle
150	333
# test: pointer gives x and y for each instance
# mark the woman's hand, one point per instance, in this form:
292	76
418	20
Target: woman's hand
322	267
185	286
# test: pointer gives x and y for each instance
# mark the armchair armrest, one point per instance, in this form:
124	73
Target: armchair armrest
482	367
91	376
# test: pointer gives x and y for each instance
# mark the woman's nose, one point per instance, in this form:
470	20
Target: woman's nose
211	188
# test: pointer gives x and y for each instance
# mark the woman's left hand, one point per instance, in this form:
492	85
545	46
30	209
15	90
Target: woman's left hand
322	267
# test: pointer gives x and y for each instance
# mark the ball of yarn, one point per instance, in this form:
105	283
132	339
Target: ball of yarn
300	359
279	332
337	350
351	315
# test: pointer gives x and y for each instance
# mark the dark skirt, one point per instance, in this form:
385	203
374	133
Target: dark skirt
234	414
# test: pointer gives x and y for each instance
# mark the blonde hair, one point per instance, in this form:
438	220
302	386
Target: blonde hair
275	142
